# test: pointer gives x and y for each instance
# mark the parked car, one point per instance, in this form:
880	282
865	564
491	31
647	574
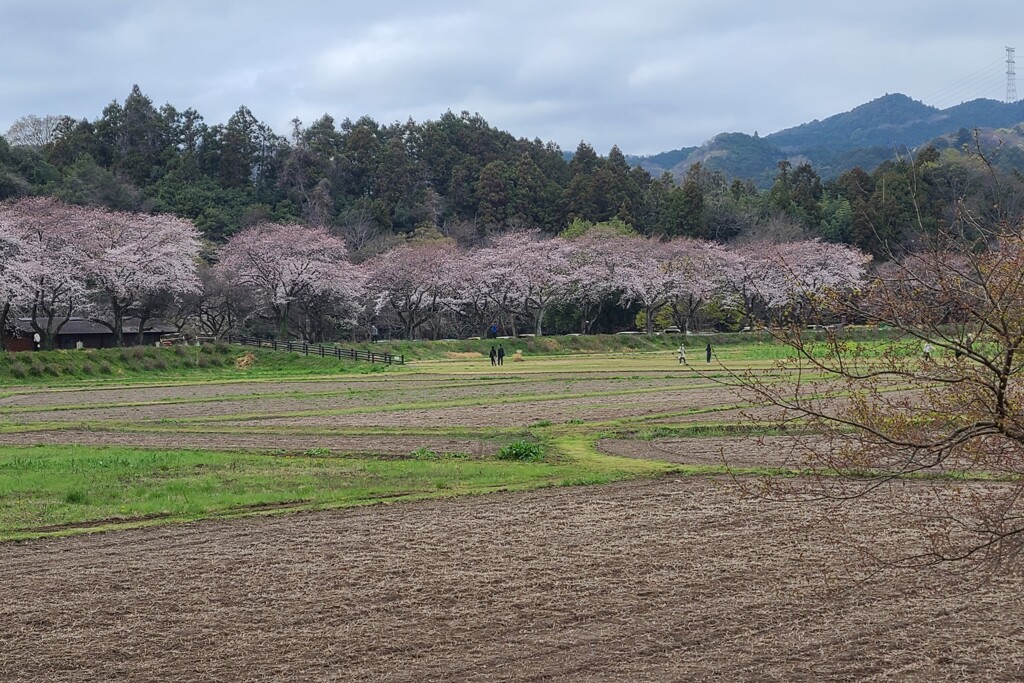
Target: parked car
672	330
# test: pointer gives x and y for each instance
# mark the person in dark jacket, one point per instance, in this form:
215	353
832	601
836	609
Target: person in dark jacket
501	354
707	351
494	356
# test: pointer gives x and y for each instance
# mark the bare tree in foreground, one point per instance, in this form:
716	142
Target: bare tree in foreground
938	407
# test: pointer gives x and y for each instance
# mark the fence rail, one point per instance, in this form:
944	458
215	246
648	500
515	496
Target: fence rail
307	349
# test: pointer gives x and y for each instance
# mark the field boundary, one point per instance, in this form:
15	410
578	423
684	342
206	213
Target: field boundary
321	350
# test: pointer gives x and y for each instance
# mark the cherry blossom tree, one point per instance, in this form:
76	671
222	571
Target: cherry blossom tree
769	278
472	295
594	260
134	261
53	264
649	274
500	278
15	283
218	306
286	265
414	282
528	273
702	274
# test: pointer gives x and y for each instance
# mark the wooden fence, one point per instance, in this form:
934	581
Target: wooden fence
307	349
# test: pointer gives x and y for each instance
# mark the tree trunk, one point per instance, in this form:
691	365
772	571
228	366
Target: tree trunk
3	325
540	320
118	326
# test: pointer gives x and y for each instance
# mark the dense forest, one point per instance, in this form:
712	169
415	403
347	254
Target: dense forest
375	184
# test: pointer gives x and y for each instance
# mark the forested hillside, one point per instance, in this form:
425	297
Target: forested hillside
377	185
864	137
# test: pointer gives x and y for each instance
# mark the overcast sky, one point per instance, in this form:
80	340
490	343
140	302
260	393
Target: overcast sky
647	75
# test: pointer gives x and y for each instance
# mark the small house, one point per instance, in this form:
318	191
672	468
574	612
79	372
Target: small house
82	333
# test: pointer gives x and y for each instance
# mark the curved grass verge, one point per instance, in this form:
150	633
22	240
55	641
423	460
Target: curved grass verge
66	490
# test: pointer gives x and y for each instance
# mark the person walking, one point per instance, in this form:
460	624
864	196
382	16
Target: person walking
682	354
494	356
707	352
927	349
373	333
501	354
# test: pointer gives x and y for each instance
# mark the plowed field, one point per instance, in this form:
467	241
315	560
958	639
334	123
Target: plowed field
679	579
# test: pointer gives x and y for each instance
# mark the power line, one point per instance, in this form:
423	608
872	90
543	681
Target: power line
955	85
988	88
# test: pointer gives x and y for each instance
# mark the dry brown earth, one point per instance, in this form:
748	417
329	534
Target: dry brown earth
294	443
676	580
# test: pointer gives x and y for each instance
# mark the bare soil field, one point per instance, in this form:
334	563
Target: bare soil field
768	451
292	443
517	414
265	399
547	382
673	580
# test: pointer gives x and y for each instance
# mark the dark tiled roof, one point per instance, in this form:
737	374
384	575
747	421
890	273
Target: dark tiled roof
81	326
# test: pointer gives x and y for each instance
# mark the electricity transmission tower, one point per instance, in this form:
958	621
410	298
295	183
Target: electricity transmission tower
1011	77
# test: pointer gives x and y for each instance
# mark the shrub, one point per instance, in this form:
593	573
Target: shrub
133	353
222	348
87	368
160	364
76	497
105	367
521	450
424	453
52	369
36	368
20	371
548	345
206	348
203	362
179	350
149	365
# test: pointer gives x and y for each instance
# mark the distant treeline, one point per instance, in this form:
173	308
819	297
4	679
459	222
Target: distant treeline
375	184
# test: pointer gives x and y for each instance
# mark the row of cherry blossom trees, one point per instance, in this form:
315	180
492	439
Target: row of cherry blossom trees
59	261
298	278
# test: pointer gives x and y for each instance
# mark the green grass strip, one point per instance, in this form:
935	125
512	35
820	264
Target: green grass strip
62	490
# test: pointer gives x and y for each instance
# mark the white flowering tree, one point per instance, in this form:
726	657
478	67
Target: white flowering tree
133	261
287	266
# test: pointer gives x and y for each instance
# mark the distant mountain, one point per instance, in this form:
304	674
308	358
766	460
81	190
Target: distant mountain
864	136
894	121
738	155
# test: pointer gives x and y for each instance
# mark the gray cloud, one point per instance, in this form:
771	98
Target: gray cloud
649	75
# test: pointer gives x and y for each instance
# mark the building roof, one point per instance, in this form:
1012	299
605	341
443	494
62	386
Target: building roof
77	327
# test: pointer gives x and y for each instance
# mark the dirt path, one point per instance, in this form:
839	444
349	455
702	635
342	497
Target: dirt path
677	580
